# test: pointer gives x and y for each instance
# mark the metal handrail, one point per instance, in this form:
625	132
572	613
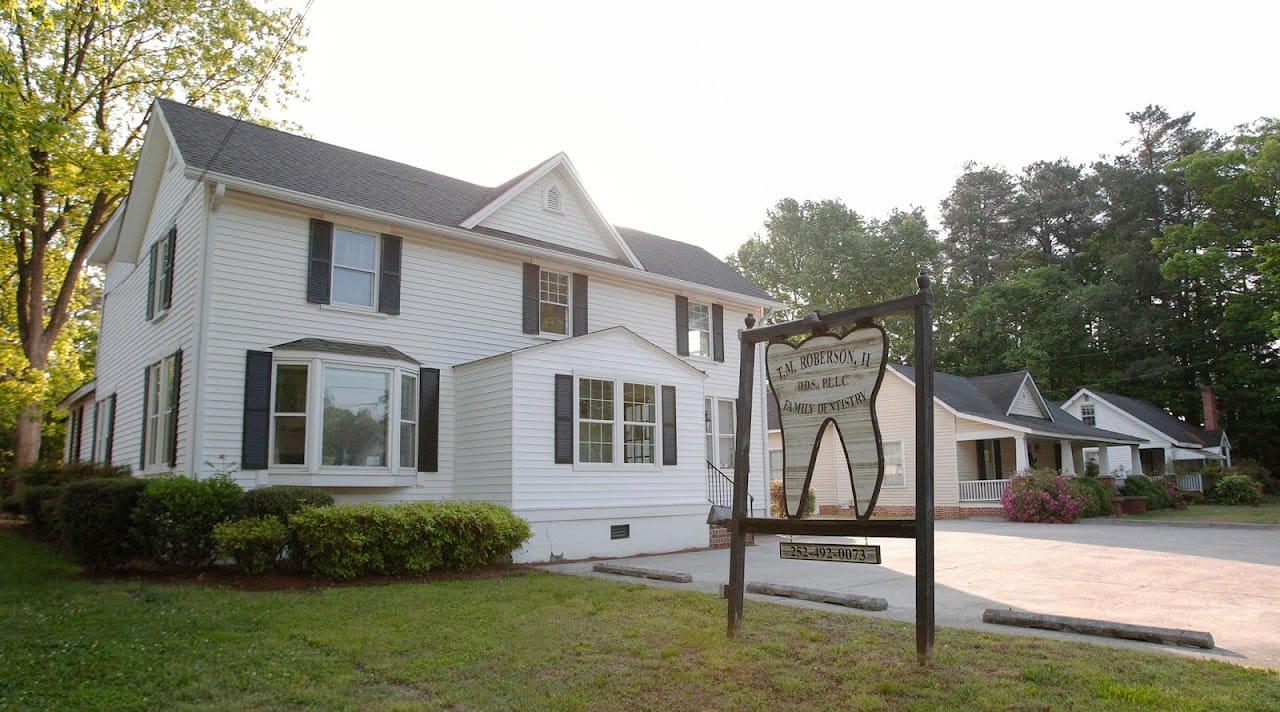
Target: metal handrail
720	489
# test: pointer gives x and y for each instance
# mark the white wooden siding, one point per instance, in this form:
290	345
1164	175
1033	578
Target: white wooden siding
1026	403
127	342
539	483
524	215
457	305
484	426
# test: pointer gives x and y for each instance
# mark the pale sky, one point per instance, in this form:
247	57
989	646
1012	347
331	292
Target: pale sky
691	119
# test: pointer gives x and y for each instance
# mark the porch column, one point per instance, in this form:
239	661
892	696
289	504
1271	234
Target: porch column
1168	460
1137	460
1022	461
1104	463
1068	457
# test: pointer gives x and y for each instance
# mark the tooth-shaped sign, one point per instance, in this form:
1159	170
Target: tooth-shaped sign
828	380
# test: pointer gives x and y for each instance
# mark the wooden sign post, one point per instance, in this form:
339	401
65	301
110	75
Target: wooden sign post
828	381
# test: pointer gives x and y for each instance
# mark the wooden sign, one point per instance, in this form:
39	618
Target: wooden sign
830	382
842	553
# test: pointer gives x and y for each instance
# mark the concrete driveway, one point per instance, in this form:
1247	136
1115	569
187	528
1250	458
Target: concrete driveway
1224	580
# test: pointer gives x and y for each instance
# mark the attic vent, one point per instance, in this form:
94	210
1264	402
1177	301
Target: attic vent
551	199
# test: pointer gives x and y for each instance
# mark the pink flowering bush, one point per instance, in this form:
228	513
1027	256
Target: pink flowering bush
1042	496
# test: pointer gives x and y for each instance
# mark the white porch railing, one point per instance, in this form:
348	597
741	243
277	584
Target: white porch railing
1190	483
982	490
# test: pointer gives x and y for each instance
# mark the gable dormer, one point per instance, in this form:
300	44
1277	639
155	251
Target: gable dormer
1028	401
550	204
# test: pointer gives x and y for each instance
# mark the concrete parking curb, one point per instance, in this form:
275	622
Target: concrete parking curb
849	600
1107	629
641	572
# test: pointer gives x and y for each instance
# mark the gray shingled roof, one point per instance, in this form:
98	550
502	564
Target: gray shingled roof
345	348
966	395
1160	419
283	160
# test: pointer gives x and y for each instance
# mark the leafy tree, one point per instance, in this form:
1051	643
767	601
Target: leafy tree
1056	209
77	80
983	242
820	255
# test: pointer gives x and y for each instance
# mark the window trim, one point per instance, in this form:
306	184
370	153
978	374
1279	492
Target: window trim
689	331
902	457
159	443
160	275
1089	418
617	464
375	271
712	430
313	454
567	305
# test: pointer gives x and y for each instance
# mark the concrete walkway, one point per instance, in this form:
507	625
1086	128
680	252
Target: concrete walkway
1225	581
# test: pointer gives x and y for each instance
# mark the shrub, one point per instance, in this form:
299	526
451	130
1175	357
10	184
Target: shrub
94	517
777	505
410	538
1258	473
1042	496
254	543
40	506
1159	492
281	502
175	517
48	474
1096	496
1237	489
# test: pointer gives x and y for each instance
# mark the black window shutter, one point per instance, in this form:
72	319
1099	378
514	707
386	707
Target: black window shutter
669	425
579	304
75	433
151	282
389	279
319	264
564	419
530	293
429	420
111	428
142	439
169	259
177	399
682	326
257	410
97	420
717	332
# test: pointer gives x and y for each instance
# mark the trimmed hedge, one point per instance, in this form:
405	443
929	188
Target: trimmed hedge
40	508
1238	489
1160	493
175	517
254	543
95	518
281	502
410	538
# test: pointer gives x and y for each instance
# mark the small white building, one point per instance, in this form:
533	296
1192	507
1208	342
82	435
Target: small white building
1169	444
309	315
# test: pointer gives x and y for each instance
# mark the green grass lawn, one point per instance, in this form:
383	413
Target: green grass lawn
1266	513
538	642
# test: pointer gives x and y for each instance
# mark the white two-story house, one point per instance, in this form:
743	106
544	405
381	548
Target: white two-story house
308	315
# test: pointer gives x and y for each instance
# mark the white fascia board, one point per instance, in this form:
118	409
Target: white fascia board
1044	405
580	341
475	238
103	245
77	394
560	160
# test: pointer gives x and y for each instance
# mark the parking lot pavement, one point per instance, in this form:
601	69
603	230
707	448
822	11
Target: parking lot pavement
1225	581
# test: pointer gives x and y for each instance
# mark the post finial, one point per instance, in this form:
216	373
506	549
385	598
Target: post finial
922	281
750	321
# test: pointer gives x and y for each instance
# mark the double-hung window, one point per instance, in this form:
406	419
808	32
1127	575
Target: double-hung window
553	302
719	416
895	472
617	422
355	268
104	413
699	329
160	274
331	413
160	410
1088	415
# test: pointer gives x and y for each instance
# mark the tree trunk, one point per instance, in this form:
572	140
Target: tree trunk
27	435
